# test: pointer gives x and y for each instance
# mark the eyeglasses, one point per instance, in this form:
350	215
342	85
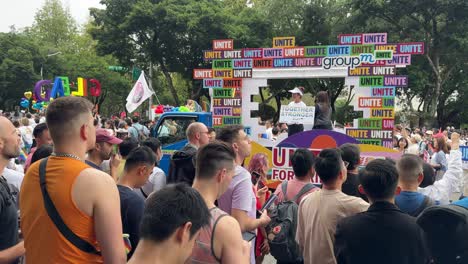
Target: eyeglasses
345	164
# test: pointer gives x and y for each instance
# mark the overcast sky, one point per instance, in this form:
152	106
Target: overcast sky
21	12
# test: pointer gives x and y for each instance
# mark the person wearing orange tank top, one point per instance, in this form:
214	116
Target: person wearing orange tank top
221	241
86	199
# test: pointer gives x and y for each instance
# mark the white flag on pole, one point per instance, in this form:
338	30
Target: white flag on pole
138	94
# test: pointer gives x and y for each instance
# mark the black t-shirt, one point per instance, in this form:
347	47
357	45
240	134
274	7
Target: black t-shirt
350	186
131	210
8	217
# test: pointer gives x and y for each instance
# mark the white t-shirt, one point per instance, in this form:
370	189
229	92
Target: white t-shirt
32	123
269	132
156	181
26	134
300	104
13	177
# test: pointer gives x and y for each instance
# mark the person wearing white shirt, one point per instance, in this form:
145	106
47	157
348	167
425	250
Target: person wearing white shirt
269	129
297	94
442	189
157	179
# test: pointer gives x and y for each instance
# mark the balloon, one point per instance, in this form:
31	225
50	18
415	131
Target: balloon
95	90
184	109
159	109
24	103
38	106
28	94
34	101
38	90
57	88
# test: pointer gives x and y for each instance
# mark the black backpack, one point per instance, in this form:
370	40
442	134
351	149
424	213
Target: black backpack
281	231
182	166
446	229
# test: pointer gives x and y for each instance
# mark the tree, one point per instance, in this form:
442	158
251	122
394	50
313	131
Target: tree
53	24
441	24
170	33
19	62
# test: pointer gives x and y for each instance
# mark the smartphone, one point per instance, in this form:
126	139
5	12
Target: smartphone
267	204
115	150
248	236
255	177
261	184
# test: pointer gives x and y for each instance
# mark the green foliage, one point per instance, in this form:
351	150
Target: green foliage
54	25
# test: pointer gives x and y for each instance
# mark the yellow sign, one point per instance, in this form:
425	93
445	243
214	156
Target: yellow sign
284	42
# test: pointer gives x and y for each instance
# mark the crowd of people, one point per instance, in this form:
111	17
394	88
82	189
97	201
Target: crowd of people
87	194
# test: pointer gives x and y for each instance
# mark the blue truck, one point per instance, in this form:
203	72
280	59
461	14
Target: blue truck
170	131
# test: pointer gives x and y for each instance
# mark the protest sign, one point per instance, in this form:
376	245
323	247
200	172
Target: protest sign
297	115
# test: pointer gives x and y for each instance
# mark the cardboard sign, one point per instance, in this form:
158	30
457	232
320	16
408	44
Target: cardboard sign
297	115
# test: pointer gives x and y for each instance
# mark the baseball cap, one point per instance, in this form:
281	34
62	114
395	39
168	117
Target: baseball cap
297	90
102	135
429	132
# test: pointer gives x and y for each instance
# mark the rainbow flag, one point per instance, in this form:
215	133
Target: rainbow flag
127	243
23	156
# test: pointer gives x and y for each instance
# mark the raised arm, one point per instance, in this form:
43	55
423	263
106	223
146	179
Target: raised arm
442	189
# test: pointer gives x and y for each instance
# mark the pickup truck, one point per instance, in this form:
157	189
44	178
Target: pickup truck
170	131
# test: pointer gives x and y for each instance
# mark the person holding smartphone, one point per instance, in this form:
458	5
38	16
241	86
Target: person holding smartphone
258	168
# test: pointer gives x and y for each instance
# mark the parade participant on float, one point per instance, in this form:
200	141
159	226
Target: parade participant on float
297	94
323	111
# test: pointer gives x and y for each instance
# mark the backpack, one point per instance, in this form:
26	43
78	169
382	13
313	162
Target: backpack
182	166
445	228
281	231
141	136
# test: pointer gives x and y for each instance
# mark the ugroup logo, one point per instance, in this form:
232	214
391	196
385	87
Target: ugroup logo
334	62
348	61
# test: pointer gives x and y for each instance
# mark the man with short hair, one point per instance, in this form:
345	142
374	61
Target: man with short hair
303	166
42	137
10	246
221	241
30	118
169	237
125	148
137	131
157	179
239	199
94	217
104	150
320	211
411	174
351	154
182	168
382	234
138	167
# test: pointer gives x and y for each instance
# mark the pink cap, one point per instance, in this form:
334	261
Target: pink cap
102	135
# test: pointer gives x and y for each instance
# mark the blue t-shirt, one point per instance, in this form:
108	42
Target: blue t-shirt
409	202
131	210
